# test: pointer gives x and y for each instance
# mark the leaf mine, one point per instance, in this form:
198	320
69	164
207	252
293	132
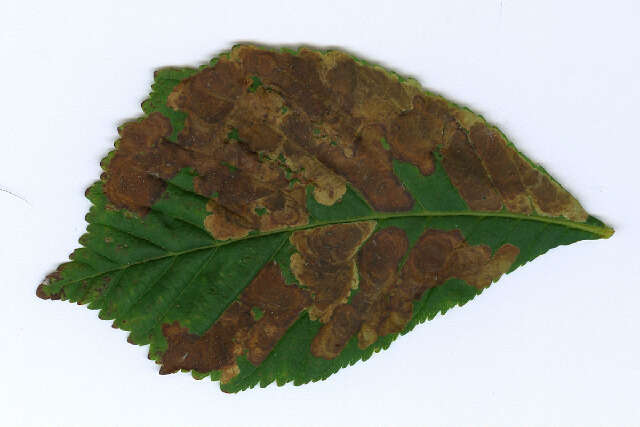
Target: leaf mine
276	216
325	263
237	330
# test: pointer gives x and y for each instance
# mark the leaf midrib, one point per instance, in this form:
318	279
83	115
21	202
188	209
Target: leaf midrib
601	231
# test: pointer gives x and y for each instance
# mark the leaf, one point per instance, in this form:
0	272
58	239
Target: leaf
279	215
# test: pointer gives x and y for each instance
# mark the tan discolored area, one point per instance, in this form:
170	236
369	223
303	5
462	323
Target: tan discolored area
325	263
384	302
328	187
237	332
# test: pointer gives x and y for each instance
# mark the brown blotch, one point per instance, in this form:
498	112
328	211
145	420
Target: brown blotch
287	208
394	306
211	93
224	224
255	116
236	332
500	263
415	134
317	119
467	173
333	336
435	258
524	187
296	77
493	150
133	178
328	186
334	94
325	263
377	264
281	305
427	258
378	95
364	163
216	349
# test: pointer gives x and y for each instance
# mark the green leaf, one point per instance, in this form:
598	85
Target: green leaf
279	215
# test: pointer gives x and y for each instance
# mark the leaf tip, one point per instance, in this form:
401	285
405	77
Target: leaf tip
607	232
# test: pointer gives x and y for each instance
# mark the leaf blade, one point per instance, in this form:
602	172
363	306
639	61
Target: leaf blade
179	257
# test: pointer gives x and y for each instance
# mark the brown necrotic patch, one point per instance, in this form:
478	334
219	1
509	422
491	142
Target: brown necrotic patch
316	119
134	178
377	264
238	331
548	197
325	263
466	171
384	302
415	134
496	158
509	176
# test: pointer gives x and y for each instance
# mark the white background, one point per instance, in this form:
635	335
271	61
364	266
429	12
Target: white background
554	343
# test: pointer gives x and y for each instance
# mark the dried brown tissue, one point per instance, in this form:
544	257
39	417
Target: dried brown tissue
317	119
384	302
237	332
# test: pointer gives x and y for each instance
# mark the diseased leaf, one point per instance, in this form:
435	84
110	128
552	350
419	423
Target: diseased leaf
279	215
